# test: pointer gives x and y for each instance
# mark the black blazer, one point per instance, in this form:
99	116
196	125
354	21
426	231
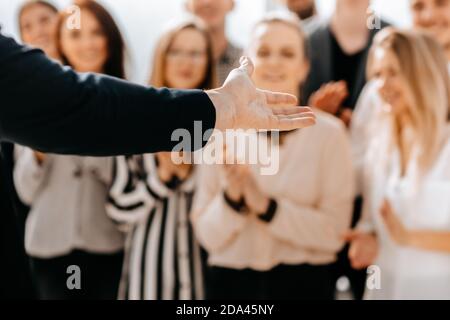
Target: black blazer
53	109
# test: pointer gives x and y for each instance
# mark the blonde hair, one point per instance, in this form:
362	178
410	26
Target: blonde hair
157	78
423	67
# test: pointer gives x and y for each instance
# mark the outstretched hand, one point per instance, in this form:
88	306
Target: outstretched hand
240	105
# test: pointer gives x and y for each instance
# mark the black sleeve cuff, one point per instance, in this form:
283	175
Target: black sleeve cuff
197	114
270	212
238	206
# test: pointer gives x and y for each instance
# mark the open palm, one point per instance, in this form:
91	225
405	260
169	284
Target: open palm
240	104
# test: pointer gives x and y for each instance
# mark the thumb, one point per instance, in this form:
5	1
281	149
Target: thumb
246	65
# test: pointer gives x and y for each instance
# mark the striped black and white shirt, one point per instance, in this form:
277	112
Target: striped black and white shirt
163	259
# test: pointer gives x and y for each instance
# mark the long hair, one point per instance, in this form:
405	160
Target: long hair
114	65
163	46
423	68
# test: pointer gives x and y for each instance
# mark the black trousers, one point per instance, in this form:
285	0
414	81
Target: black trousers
298	282
342	267
16	282
99	274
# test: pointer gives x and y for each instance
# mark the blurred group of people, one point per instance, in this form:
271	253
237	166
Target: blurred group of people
369	184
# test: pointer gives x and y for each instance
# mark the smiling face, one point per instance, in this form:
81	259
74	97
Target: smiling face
277	50
212	12
387	74
186	60
86	49
433	16
38	28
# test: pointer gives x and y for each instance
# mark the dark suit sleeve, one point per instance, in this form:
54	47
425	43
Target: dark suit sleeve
53	109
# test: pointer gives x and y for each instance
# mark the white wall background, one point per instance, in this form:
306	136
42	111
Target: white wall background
141	21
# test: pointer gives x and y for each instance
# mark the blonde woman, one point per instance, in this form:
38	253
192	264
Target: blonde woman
151	196
405	228
277	236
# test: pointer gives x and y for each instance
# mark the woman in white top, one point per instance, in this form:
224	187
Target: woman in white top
275	236
405	230
429	16
68	225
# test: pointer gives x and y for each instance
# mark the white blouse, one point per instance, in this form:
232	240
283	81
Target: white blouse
409	273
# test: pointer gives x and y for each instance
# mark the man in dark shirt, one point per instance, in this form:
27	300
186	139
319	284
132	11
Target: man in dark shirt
344	68
339	49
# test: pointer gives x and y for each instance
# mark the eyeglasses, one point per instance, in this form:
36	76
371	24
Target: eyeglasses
194	55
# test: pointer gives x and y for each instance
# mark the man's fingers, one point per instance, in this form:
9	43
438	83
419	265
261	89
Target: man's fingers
284	124
297	115
292	110
246	65
278	98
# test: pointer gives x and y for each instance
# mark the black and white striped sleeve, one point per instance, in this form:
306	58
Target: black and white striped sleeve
129	202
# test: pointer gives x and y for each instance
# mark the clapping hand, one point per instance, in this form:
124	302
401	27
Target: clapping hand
363	248
329	97
241	184
167	168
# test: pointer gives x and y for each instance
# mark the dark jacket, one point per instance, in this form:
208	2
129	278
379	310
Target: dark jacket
53	109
